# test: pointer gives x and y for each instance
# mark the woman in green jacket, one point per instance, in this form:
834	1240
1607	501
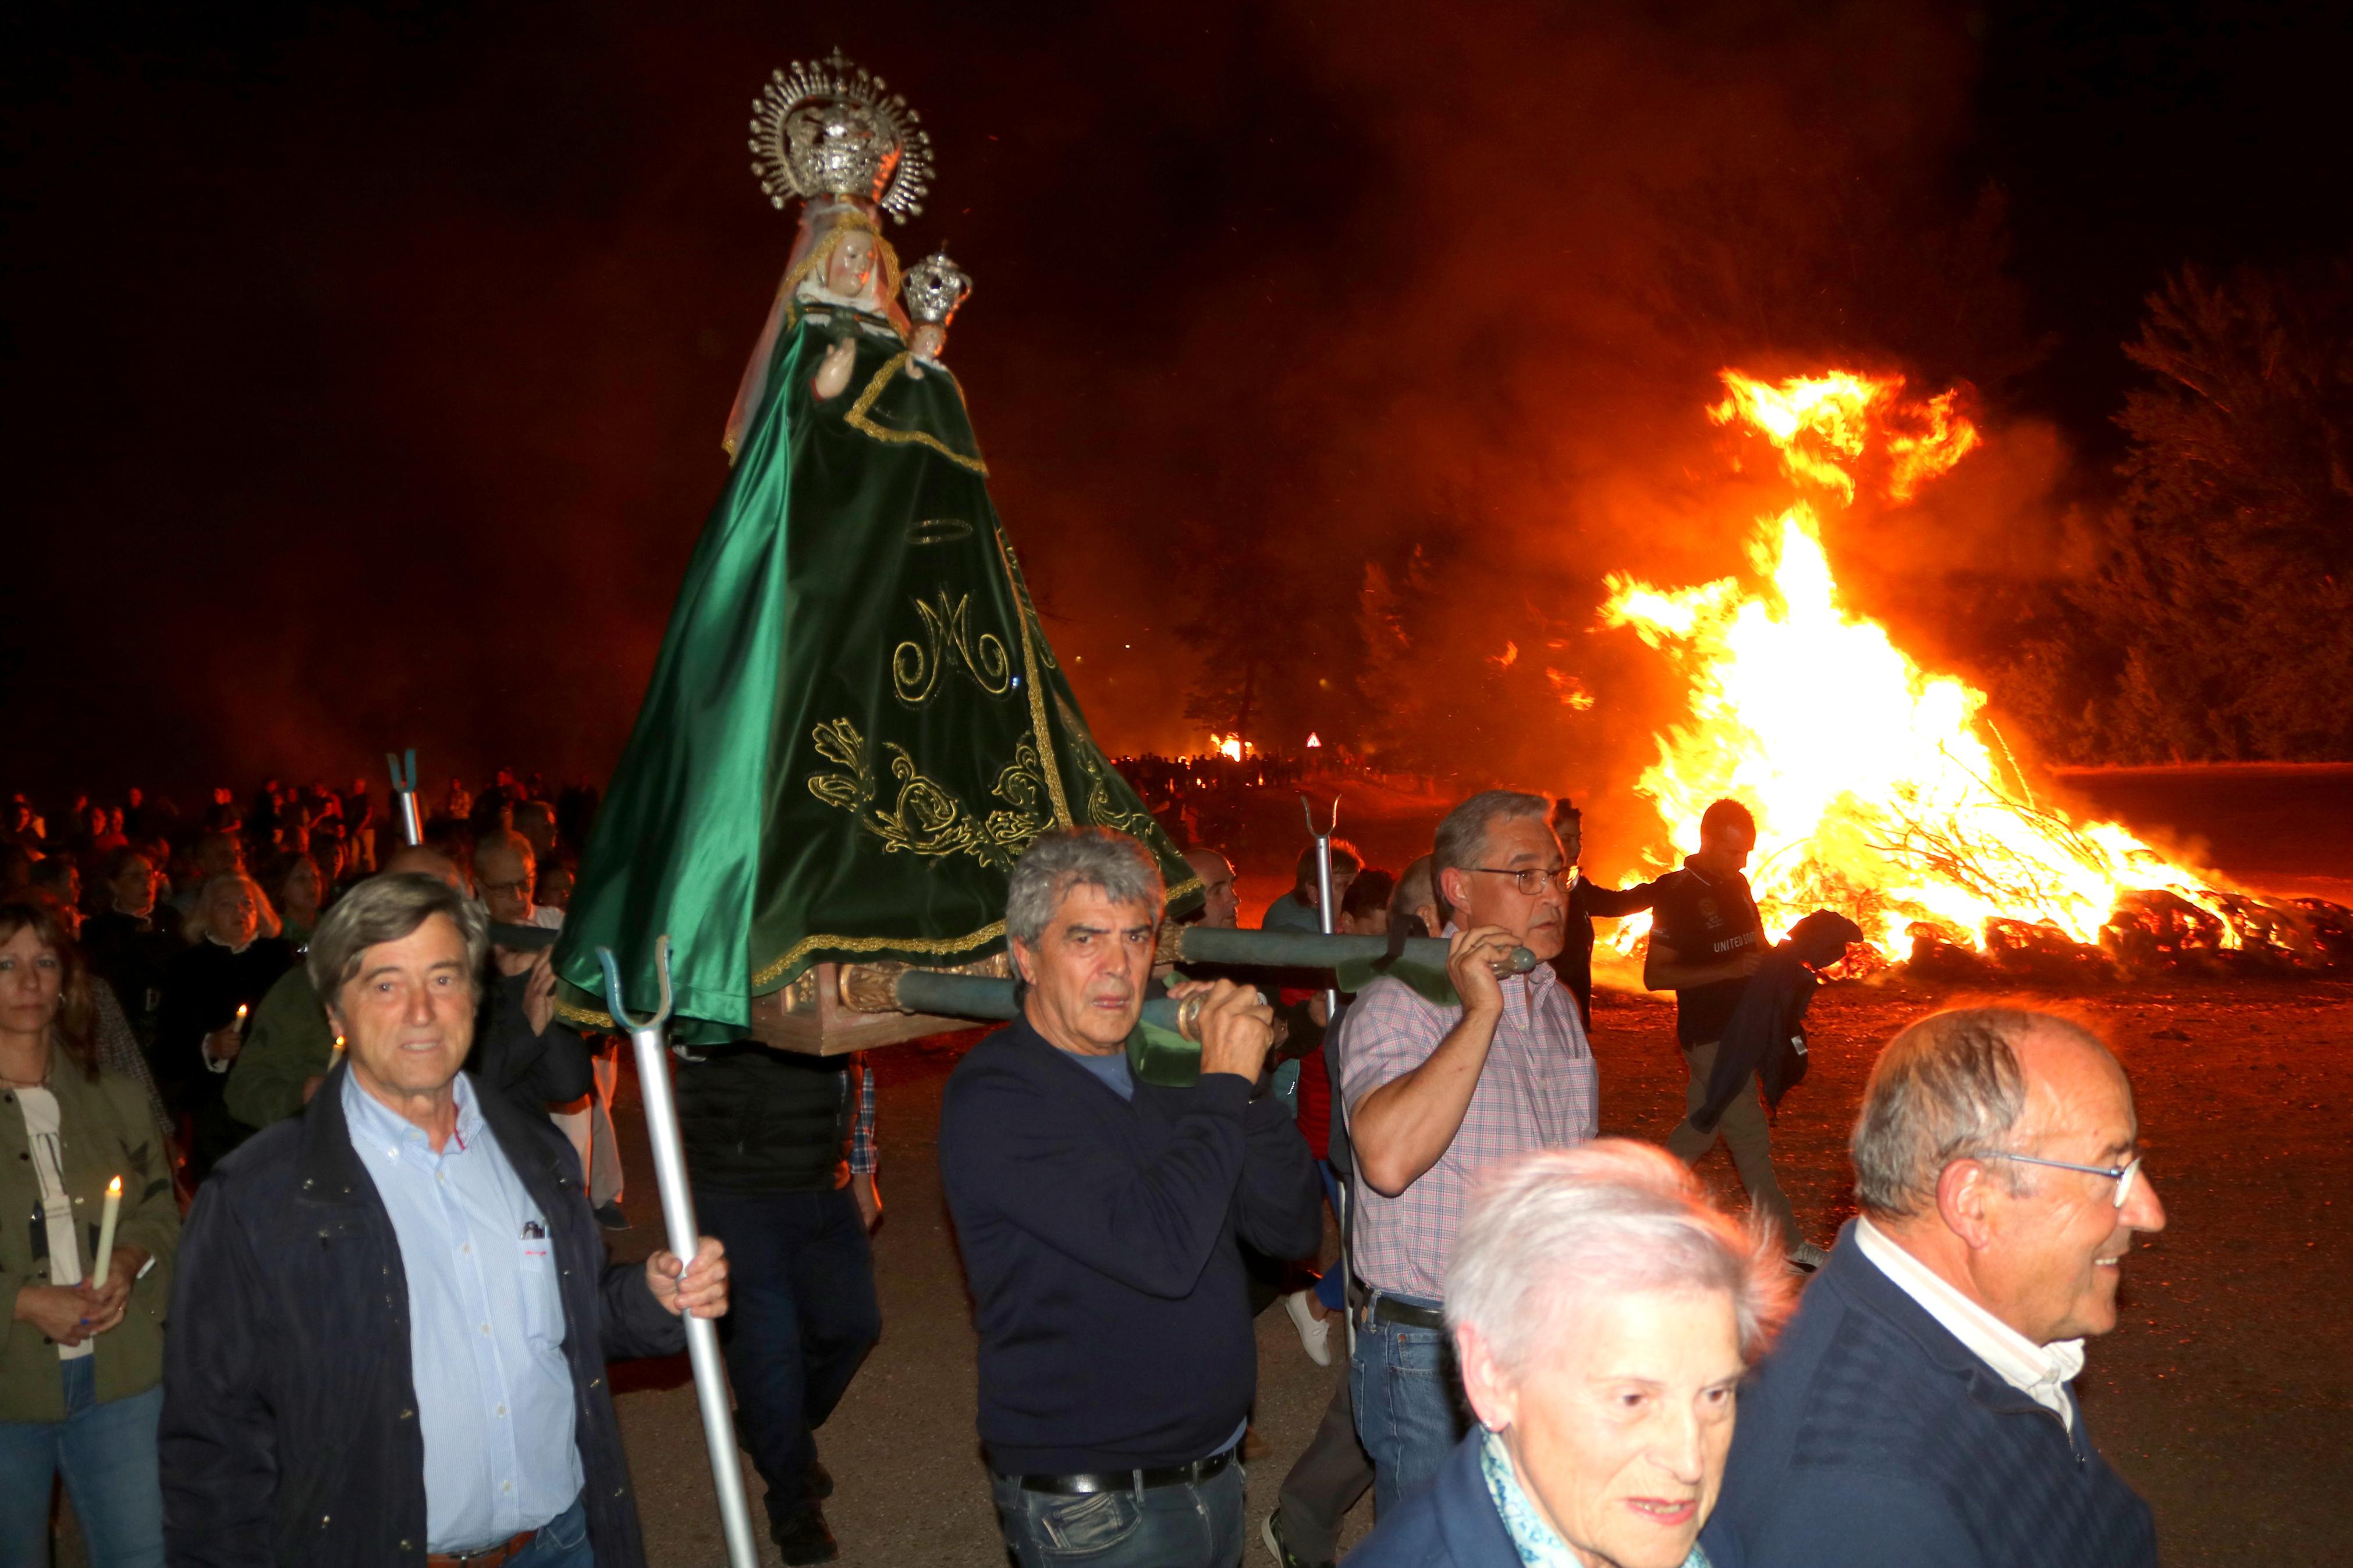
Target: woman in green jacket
81	1367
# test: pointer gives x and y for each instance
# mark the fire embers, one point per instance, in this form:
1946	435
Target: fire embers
2150	932
2157	930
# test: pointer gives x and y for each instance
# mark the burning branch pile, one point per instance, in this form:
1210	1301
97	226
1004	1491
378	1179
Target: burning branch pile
1876	785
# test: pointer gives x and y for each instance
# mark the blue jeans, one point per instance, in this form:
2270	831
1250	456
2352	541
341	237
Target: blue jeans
1195	1526
1332	1289
562	1542
107	1454
801	1315
1409	1409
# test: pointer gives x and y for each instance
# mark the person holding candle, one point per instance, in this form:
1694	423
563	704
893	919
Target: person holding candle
89	1277
236	954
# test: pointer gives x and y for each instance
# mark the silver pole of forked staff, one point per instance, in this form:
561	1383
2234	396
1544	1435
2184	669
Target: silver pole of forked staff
1329	915
678	1220
1331	919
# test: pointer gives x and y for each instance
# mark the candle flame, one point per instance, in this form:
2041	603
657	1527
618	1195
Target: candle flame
114	1188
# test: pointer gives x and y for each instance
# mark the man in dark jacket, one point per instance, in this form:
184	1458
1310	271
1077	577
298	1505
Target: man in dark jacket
126	947
782	1149
1098	1216
1706	942
1919	1408
1586	899
391	1316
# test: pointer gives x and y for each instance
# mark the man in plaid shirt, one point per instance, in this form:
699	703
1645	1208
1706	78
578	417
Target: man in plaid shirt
1436	1093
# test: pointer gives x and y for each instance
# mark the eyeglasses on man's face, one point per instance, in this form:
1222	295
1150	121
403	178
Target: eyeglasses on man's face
1533	880
2123	1175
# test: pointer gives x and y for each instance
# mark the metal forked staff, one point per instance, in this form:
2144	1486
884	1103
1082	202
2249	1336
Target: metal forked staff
1331	1021
678	1220
404	797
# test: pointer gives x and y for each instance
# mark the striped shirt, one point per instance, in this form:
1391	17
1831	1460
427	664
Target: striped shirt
1536	1090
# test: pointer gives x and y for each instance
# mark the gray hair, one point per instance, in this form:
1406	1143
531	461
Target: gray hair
1547	1231
1069	858
387	909
199	916
1947	1088
1462	842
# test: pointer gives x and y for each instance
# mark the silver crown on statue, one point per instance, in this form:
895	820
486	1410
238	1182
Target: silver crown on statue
827	127
933	287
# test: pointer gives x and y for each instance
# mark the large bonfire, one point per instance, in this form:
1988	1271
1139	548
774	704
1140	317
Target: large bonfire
1895	800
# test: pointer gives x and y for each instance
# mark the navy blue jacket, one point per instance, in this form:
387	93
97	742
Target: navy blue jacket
1871	1437
1450	1523
1099	1238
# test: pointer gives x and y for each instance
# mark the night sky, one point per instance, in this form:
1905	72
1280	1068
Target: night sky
365	366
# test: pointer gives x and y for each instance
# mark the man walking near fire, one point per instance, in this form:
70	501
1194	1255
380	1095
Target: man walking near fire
1920	1409
1705	942
1099	1213
1435	1093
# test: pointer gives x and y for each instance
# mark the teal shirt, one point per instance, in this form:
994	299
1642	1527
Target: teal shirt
1539	1544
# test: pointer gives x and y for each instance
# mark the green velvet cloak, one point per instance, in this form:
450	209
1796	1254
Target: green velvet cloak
854	725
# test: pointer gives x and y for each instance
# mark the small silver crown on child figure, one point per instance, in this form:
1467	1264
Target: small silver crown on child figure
933	287
827	127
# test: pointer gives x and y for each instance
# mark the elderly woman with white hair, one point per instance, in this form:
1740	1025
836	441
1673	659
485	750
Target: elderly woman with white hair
1603	1312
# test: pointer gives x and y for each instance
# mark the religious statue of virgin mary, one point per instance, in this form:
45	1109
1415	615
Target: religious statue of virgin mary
854	725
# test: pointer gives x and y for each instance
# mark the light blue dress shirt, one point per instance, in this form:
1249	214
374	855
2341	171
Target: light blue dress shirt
494	1397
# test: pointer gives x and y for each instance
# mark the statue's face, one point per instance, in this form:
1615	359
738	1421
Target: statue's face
850	268
929	338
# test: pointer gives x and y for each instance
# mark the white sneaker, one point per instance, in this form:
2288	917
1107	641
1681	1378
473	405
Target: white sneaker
1314	1333
1807	1257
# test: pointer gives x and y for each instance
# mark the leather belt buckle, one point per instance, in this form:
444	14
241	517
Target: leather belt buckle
1389	1309
1088	1484
488	1557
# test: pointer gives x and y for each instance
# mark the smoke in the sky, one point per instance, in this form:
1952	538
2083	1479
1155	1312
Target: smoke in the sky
369	378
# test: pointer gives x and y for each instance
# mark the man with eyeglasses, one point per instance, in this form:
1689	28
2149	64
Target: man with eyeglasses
1919	1408
1705	942
506	877
1436	1092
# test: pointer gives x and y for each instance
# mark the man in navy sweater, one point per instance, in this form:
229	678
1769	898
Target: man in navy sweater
1098	1217
1917	1410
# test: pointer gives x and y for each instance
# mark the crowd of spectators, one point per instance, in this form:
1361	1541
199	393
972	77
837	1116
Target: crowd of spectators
160	1007
188	918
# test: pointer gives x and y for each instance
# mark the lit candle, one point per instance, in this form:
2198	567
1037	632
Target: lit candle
106	1234
241	1011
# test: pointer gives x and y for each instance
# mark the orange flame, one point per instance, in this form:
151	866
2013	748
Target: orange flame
1875	789
1822	425
1230	746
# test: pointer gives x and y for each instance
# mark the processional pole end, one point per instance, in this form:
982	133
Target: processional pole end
1307	810
613	988
404	794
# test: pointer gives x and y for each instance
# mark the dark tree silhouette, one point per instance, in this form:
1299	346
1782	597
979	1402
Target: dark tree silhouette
2218	621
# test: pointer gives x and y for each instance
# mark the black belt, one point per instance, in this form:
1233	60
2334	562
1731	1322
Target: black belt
1389	1309
1124	1480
